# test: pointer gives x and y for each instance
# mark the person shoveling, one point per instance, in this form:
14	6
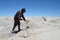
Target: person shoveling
18	16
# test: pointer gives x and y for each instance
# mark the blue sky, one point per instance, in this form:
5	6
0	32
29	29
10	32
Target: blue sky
33	7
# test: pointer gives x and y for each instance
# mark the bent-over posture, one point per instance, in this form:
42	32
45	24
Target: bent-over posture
17	19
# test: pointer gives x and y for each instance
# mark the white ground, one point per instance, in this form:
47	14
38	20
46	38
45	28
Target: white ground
38	29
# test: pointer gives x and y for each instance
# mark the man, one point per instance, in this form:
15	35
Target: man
17	19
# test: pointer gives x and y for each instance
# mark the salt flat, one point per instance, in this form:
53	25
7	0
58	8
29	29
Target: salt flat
39	29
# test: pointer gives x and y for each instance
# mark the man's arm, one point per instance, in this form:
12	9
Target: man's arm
23	18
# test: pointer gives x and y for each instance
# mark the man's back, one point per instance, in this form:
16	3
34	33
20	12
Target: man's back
18	16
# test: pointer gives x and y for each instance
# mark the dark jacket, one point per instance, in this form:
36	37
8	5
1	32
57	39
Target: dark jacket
18	16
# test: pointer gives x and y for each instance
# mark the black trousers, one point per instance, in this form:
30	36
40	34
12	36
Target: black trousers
16	23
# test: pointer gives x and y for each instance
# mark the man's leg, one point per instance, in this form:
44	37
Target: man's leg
19	26
15	24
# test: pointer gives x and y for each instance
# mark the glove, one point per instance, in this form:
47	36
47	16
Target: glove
21	19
